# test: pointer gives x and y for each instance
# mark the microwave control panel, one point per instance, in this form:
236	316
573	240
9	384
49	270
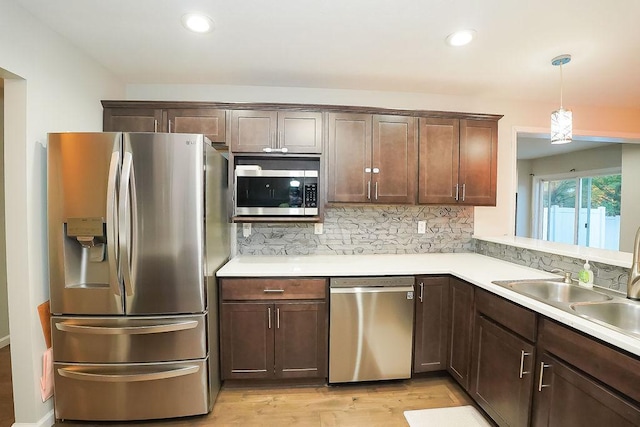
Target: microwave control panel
311	195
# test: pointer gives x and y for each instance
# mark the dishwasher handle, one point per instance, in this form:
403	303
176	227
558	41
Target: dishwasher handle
371	289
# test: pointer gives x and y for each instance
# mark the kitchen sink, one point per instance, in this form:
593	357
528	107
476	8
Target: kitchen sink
622	315
555	291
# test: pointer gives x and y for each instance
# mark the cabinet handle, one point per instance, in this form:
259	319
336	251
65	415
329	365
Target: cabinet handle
540	385
367	170
457	191
464	191
169	126
275	150
376	170
369	190
376	190
274	291
421	291
522	355
278	318
269	316
155	126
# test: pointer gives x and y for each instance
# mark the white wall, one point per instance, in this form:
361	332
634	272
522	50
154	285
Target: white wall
630	212
525	188
494	221
4	304
50	87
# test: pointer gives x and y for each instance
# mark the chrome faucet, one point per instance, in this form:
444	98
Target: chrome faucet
567	275
633	285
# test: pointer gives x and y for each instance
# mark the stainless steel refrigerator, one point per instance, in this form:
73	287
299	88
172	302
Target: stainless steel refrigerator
137	226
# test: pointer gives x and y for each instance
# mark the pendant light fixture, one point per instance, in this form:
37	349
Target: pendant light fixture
561	119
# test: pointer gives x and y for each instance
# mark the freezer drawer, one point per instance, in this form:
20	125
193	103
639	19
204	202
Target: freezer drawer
128	340
103	392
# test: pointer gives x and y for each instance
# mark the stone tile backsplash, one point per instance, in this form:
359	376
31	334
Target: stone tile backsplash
393	230
604	275
366	230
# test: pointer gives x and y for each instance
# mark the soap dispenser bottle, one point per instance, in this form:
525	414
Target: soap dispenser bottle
585	277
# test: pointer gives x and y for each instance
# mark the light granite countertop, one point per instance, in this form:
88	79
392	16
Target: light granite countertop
477	269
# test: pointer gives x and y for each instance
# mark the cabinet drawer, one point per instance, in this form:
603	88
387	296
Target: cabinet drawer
518	319
273	289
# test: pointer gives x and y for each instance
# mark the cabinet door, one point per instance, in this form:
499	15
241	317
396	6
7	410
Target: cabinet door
478	162
349	156
439	159
502	373
394	160
301	340
565	397
460	329
133	120
430	339
208	121
247	336
253	131
300	132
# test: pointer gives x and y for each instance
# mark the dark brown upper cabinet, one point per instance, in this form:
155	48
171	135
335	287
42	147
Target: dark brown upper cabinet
149	118
458	161
372	159
255	131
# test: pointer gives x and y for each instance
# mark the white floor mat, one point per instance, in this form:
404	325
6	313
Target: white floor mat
459	416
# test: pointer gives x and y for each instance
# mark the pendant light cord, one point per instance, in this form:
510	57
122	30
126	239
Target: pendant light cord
561	84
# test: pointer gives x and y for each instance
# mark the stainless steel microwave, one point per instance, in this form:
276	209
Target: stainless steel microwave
259	192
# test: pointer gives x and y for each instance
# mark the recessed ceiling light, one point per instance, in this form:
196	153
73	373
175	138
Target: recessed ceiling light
197	23
460	38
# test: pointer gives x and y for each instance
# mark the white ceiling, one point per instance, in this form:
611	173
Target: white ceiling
383	45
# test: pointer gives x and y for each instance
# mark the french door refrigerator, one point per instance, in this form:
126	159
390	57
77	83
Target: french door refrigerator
137	227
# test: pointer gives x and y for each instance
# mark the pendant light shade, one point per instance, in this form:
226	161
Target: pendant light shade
561	126
561	119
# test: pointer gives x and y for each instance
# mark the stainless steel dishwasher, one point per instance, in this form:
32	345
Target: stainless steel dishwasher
371	328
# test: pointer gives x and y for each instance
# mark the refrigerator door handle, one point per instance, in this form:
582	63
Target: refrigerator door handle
128	330
119	378
112	221
125	222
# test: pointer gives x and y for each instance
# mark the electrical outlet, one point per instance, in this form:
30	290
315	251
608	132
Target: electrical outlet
318	228
246	229
422	227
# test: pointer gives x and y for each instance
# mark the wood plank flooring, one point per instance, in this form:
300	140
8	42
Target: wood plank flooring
6	388
373	404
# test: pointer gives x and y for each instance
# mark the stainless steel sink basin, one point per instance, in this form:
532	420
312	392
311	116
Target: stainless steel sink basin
553	291
622	315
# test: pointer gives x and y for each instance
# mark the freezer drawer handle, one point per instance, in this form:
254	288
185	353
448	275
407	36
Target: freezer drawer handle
117	378
127	330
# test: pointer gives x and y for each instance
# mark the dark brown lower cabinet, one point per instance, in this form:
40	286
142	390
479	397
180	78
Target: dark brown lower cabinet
430	338
502	373
461	296
566	397
273	340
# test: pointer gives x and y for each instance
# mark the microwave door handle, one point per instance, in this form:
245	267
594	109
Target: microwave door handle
125	222
112	221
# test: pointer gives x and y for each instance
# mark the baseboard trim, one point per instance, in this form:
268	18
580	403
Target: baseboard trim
4	341
47	421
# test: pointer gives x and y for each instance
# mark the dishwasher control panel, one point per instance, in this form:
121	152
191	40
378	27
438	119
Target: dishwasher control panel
352	282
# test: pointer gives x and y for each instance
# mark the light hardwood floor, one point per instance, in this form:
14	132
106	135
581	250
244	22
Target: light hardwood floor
6	388
373	404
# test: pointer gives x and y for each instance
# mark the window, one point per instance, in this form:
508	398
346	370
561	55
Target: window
582	210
